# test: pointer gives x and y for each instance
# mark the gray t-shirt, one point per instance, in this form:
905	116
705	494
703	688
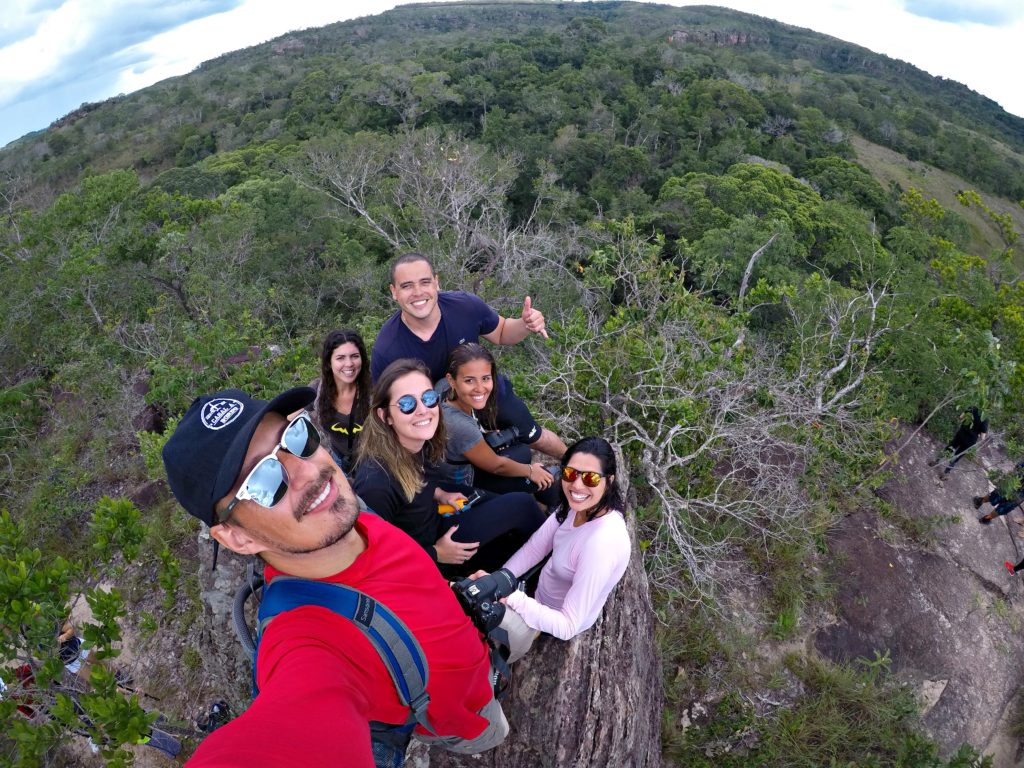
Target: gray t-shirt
463	433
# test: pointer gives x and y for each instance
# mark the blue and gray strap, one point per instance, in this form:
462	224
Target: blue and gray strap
397	646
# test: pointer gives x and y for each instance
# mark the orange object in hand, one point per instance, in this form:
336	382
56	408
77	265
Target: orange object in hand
447	510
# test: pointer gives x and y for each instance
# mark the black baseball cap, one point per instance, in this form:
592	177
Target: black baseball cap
205	454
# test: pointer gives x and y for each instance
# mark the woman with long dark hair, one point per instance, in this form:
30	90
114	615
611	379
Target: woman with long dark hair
402	438
342	393
589	545
470	417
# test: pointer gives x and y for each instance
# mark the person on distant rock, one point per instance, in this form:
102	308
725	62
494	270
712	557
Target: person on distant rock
72	653
1003	502
403	440
430	323
342	394
972	428
589	545
257	474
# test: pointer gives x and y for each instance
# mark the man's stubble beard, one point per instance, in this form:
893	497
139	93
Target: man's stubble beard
344	509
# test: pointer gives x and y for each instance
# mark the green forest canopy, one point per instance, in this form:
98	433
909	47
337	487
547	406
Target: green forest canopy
726	278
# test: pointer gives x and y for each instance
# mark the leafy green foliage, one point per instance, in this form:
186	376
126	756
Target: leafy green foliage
33	590
169	577
734	299
115	529
151	446
35	594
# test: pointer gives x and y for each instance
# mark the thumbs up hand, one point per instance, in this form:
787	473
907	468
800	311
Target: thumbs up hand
533	318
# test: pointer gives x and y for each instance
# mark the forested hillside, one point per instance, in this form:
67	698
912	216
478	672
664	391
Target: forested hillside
759	250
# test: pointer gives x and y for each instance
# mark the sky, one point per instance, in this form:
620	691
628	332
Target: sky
58	54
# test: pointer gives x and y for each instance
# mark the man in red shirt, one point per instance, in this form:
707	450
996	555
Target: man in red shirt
259	478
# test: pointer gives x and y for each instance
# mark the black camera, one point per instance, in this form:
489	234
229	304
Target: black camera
479	598
500	439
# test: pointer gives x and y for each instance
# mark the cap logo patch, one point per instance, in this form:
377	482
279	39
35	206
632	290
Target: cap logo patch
220	412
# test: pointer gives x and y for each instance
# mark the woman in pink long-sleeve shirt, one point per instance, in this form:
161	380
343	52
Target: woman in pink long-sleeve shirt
589	545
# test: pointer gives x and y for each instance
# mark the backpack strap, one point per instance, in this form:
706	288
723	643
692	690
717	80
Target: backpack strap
397	646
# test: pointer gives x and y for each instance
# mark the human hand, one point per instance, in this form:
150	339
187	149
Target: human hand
67	631
533	319
454	552
452	498
540	476
476	575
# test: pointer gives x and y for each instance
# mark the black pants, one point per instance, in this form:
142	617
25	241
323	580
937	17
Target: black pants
1003	506
499	484
501	523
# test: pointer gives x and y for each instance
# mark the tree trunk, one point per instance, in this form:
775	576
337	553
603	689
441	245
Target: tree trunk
593	701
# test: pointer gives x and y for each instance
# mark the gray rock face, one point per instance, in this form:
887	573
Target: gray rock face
227	668
948	612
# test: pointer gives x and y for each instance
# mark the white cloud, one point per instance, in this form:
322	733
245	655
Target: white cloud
990	12
41	54
182	49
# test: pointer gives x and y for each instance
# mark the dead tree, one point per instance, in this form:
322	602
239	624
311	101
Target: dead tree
442	195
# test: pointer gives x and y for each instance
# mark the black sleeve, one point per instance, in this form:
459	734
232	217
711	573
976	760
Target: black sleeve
382	494
374	486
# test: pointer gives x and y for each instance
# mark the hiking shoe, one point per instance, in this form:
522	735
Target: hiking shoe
1009	566
984	519
977	502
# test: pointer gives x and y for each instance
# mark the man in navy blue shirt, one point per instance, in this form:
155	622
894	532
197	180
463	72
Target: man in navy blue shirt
430	323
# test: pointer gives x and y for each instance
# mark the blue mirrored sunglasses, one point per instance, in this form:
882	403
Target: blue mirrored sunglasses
267	483
407	403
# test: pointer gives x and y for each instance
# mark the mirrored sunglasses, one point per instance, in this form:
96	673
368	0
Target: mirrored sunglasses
590	479
267	483
407	403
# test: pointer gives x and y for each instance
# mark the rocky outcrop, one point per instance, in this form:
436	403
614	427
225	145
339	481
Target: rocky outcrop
227	667
947	611
718	37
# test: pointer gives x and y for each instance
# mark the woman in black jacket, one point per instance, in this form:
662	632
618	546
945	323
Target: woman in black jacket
401	444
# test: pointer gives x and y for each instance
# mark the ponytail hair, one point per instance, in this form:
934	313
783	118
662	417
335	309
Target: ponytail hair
467	353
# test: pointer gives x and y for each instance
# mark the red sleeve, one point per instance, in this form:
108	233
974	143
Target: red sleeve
309	712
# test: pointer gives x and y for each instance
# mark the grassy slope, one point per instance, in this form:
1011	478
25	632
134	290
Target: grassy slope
888	166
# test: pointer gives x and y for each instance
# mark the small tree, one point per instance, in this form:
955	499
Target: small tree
43	704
